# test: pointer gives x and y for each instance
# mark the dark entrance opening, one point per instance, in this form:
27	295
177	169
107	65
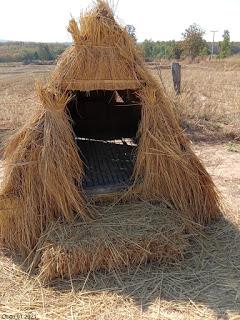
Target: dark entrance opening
105	125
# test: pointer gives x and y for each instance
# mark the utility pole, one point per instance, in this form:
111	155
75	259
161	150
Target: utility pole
213	31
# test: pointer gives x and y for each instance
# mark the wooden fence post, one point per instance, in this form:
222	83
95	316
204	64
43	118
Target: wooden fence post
176	75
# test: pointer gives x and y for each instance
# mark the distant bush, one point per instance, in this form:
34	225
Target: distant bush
28	55
9	58
161	49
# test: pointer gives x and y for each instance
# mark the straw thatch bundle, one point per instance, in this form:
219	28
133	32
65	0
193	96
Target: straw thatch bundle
102	57
120	236
37	188
43	171
166	166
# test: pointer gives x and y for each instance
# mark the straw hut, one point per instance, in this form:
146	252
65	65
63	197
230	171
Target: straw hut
104	129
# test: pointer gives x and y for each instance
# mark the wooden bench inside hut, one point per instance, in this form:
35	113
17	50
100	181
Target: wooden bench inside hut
105	125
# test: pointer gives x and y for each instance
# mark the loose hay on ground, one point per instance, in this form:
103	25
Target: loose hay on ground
204	286
123	235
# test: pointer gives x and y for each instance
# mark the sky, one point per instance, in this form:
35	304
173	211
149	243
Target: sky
47	20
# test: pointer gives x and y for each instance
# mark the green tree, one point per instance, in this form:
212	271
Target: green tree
44	52
193	42
27	56
205	51
148	49
35	56
225	45
161	49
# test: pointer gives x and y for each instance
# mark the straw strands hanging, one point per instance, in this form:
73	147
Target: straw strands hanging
43	170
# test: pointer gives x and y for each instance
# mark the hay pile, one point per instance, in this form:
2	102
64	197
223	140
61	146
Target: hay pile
121	236
43	171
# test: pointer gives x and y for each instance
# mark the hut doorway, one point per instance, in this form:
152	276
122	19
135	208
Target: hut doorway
105	125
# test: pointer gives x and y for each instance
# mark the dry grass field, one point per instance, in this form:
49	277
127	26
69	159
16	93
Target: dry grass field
17	98
209	106
206	284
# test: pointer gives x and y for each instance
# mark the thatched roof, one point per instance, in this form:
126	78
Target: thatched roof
42	163
102	56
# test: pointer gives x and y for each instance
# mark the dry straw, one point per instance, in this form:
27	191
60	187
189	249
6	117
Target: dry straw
120	236
43	171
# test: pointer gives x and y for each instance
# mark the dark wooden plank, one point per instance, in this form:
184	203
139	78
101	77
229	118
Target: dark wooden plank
176	75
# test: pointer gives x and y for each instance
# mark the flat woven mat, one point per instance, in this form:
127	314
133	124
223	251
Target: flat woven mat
107	164
123	235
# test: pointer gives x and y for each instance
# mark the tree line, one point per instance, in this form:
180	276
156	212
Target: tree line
192	45
30	52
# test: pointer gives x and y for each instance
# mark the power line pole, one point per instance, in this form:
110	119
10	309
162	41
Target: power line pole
213	31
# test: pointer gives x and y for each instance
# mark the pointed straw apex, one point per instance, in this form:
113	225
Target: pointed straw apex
74	30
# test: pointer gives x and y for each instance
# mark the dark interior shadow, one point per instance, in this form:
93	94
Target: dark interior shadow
209	275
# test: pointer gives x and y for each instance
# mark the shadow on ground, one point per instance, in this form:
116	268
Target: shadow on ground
209	132
209	276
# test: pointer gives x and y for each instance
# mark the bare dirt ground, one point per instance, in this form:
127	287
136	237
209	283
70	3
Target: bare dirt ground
205	285
223	162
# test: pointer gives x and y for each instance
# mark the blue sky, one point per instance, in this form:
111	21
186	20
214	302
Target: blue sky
46	20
